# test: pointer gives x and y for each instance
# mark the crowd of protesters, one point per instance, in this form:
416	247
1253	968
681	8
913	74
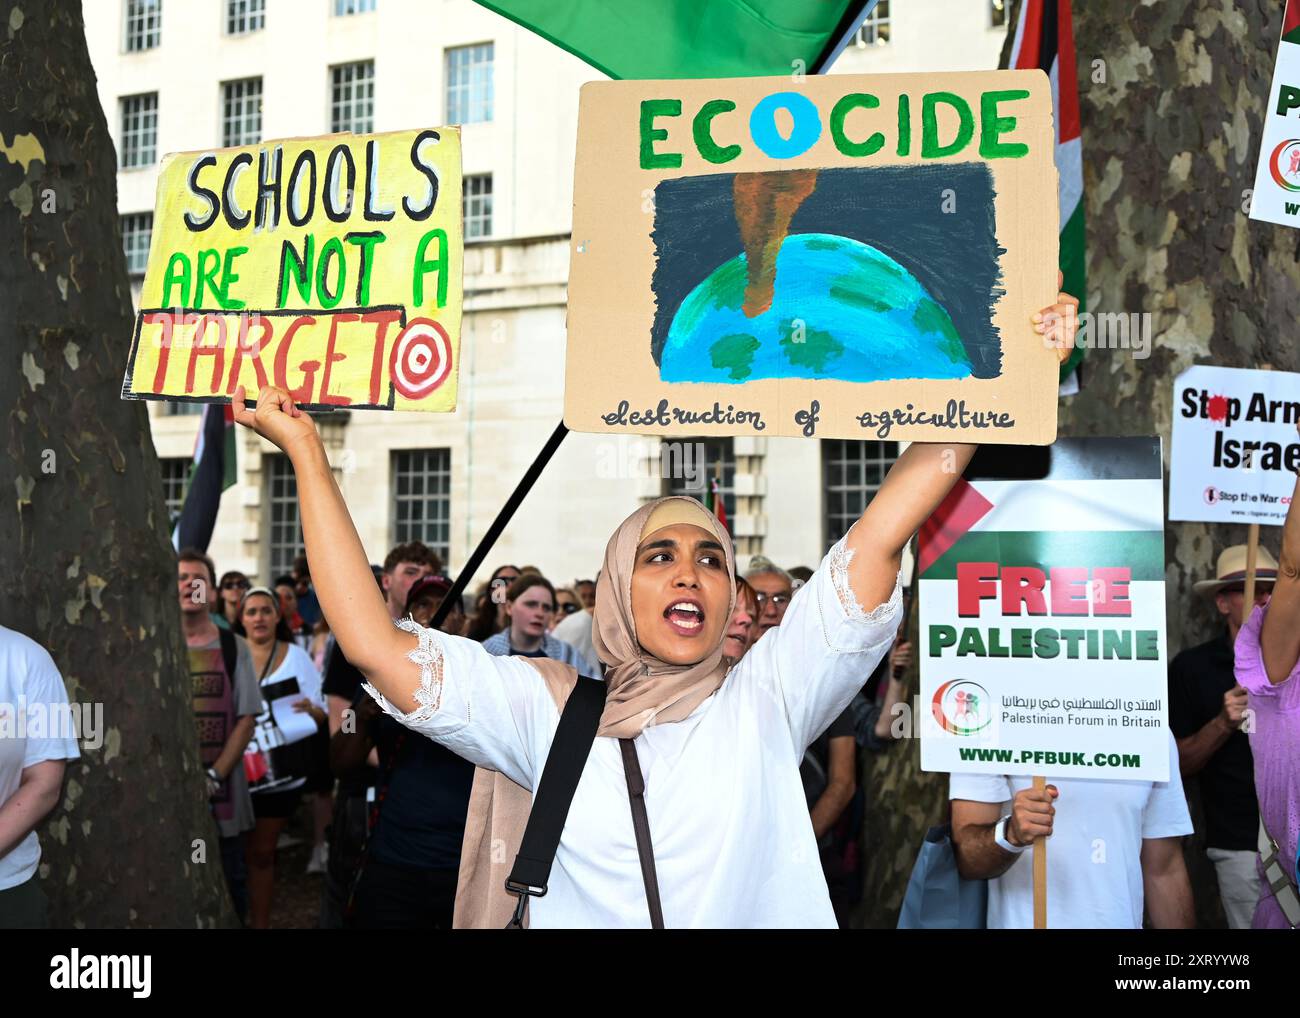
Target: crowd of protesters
388	807
285	726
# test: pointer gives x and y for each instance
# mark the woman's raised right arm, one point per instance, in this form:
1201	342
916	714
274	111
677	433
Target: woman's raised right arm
486	709
349	597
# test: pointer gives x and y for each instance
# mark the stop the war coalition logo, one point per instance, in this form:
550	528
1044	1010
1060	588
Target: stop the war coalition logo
1235	447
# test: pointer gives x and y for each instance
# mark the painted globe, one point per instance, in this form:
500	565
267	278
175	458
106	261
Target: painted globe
841	309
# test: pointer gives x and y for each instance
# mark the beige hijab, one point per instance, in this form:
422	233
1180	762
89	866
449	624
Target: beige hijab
642	691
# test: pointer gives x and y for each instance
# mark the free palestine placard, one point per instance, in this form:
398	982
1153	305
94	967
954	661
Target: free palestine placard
1042	611
1276	196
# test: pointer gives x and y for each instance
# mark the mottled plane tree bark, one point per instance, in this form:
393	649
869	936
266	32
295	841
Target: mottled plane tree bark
87	569
1172	98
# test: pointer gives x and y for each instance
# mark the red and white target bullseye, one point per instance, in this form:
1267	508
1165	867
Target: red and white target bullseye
420	360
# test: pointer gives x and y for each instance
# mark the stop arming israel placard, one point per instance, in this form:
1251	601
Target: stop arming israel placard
1235	449
330	267
1276	197
1042	612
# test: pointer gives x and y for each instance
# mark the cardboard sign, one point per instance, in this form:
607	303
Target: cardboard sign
1276	197
331	267
1235	448
1042	612
832	257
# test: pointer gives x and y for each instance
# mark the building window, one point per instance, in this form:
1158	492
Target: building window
284	530
352	101
241	112
343	8
143	24
852	471
422	498
998	13
469	84
175	476
137	228
689	466
875	29
245	16
139	130
170	409
476	191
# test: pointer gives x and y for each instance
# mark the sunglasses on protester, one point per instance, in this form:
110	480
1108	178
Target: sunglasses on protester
235	585
1261	589
568	607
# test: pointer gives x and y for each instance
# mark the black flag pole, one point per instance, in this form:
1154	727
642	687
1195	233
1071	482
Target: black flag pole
854	15
499	524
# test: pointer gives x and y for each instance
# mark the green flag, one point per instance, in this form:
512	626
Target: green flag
688	38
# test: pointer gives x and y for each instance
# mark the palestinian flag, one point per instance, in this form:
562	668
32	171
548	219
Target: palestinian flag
212	473
692	38
714	503
1291	22
1045	39
1041	585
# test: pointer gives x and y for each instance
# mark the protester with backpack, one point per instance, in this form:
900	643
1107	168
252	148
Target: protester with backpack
226	700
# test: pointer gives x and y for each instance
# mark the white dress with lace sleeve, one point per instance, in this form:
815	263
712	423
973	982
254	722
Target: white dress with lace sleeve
732	838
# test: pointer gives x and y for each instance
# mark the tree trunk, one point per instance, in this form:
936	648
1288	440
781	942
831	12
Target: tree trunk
1172	100
89	572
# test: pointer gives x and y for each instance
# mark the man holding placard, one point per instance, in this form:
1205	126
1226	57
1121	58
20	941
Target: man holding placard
1115	848
1043	650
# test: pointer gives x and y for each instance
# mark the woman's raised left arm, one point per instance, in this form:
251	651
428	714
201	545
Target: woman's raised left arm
921	478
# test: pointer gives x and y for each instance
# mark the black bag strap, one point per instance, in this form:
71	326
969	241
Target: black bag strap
564	763
641	825
229	653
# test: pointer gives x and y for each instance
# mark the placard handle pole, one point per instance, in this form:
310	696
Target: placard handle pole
1040	870
1252	552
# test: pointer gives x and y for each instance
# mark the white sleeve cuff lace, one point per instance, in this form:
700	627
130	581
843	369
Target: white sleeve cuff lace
428	655
840	557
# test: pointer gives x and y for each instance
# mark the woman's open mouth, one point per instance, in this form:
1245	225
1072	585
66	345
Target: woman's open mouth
686	617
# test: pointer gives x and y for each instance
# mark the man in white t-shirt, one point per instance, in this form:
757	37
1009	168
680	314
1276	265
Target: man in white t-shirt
1114	845
36	738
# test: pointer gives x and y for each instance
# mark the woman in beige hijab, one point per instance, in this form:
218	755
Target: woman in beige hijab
733	843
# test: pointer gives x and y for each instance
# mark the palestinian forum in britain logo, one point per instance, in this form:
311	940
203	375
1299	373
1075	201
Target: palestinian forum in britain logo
962	707
1284	164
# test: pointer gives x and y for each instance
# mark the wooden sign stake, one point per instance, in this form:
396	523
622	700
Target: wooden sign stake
1040	870
1252	551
